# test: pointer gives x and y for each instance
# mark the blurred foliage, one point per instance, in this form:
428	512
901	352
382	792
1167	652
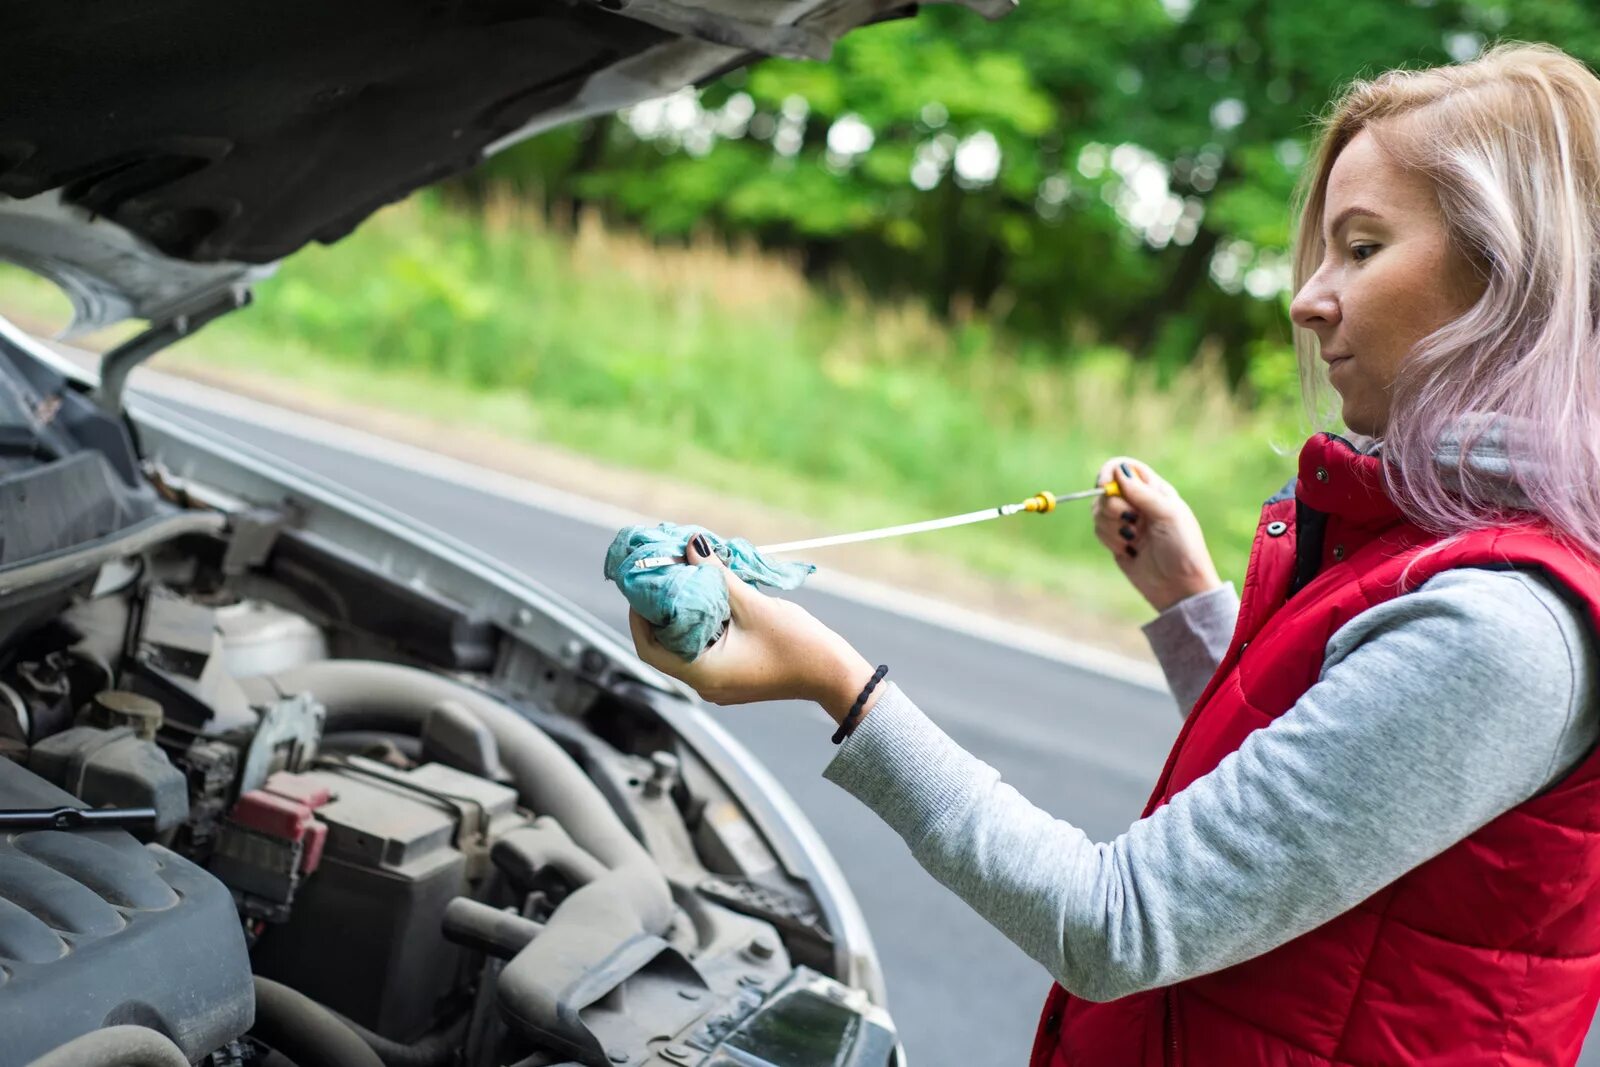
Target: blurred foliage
729	368
1212	103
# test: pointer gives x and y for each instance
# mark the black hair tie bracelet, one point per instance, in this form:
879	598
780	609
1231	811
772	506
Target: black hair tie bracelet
849	724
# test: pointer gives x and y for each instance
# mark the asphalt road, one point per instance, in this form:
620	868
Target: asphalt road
1079	745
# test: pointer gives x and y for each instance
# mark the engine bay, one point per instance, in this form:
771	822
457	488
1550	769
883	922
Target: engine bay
287	811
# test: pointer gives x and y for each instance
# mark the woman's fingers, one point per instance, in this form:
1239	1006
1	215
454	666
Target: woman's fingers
1122	539
699	550
1140	490
1113	512
640	628
1117	533
1107	506
1108	471
699	553
645	644
1124	470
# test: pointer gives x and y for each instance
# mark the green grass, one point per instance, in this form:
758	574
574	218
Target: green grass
726	368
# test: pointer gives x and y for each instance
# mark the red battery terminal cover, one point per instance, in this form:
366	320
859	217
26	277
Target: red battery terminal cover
284	808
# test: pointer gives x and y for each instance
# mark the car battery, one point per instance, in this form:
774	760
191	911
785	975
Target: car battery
363	932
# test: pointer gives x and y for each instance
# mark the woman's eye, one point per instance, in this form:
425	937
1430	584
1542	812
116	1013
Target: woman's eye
1362	252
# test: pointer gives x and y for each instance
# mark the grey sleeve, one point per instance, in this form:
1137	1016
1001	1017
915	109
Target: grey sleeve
1435	712
1190	638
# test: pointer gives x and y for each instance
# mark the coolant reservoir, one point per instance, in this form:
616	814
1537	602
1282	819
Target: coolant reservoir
259	638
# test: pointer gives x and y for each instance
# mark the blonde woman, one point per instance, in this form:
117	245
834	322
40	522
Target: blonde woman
1377	838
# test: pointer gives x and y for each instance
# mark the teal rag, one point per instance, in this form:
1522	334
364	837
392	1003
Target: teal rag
687	605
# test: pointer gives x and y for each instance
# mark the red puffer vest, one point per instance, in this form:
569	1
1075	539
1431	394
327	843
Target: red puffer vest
1487	953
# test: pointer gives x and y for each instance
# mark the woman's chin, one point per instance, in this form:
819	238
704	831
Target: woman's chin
1361	422
1353	413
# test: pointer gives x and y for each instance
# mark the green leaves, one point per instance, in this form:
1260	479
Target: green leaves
940	155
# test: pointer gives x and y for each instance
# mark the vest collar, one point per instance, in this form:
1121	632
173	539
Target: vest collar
1336	479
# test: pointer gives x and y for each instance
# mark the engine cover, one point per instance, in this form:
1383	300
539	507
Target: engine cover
97	929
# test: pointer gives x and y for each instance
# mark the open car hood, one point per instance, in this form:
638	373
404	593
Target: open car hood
157	156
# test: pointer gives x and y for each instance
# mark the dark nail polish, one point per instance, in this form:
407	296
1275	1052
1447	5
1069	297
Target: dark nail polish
1128	516
1126	473
1132	552
701	545
1127	534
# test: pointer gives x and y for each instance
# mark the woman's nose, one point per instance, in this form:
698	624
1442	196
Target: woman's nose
1315	307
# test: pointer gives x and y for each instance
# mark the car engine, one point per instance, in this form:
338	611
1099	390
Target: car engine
237	810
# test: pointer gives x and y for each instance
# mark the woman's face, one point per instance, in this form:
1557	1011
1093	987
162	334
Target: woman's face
1388	278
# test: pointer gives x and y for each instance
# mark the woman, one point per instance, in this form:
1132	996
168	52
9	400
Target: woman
1377	838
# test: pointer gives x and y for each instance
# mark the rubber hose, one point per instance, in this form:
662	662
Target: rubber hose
522	854
305	1031
489	930
434	1050
116	1046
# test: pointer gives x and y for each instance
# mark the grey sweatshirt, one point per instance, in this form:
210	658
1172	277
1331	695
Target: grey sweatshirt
1434	713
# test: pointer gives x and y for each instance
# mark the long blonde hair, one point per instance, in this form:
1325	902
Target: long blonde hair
1511	143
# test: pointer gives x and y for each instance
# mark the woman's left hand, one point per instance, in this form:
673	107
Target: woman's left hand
773	650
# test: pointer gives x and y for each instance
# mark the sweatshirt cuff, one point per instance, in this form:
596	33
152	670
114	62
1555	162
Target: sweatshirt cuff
1190	638
906	769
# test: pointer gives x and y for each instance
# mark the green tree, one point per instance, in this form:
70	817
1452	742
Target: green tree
1082	171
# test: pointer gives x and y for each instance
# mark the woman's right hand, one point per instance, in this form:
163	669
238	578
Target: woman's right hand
1163	553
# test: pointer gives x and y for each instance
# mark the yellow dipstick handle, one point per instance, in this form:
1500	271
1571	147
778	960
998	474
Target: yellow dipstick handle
1044	501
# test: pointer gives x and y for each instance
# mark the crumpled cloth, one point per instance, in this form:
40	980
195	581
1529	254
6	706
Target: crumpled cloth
685	604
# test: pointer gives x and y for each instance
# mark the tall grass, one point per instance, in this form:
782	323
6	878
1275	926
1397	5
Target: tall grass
727	366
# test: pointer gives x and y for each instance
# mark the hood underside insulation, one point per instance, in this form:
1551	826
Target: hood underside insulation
242	131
